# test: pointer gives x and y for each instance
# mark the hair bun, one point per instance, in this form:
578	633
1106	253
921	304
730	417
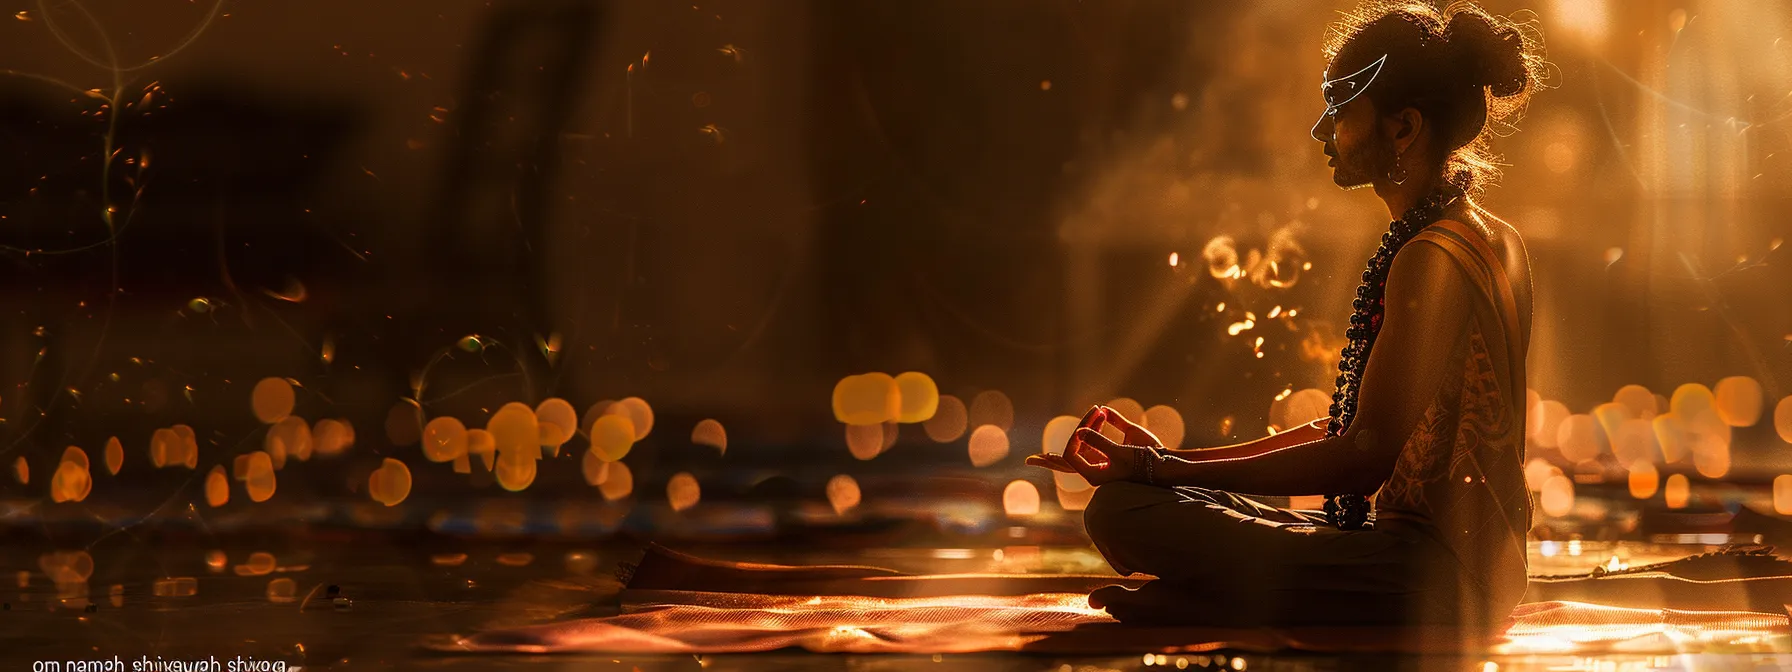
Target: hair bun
1489	56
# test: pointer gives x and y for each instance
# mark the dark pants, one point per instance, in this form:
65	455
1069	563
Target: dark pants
1223	559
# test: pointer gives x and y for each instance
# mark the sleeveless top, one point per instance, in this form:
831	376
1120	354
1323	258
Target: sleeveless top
1459	480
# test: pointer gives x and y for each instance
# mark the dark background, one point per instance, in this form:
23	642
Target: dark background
780	194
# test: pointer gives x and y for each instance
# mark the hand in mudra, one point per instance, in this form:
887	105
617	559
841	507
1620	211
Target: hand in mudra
1097	458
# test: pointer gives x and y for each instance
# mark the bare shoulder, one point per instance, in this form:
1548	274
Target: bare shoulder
1426	272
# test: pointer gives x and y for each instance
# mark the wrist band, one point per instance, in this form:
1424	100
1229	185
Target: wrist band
1150	457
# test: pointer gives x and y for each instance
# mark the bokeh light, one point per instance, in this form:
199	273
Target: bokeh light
217	487
70	483
21	471
272	399
616	481
517	467
555	411
843	493
920	397
1738	401
1546	421
1537	471
1165	423
612	436
1670	435
865	441
867	399
1057	434
1782	419
1644	479
1634	440
710	432
682	491
444	439
1558	496
992	407
950	419
1639	400
989	444
259	477
294	435
1678	491
391	483
114	455
1020	499
513	428
331	436
282	591
1782	494
640	415
1128	408
1575	438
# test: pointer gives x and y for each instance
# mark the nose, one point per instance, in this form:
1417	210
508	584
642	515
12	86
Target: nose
1323	130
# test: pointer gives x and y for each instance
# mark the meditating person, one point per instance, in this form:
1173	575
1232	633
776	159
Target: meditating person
1429	413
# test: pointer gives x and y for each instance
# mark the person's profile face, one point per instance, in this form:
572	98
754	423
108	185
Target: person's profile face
1347	126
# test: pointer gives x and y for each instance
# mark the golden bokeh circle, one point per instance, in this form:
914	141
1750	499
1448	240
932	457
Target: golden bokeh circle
920	397
950	418
272	399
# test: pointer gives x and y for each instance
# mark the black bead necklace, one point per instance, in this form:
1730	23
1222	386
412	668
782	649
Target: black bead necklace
1350	511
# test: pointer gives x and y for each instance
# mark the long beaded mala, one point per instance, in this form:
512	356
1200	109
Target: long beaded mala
1350	511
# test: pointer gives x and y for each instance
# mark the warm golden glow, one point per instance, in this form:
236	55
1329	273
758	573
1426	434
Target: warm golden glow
616	482
516	467
1070	482
991	407
272	400
294	435
332	436
1588	20
1782	419
21	471
404	422
114	456
709	432
1691	400
1558	496
1634	440
949	420
555	411
1545	422
1020	499
76	455
183	586
163	447
516	559
612	436
1538	471
1128	408
843	493
65	566
867	399
1738	401
1670	435
682	491
989	444
391	483
1576	438
217	487
259	481
448	559
1782	494
282	591
444	439
1678	491
513	428
1074	500
260	563
1638	399
865	441
215	560
1165	423
463	464
920	397
1057	434
70	483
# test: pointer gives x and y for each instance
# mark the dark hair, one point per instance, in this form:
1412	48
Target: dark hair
1465	70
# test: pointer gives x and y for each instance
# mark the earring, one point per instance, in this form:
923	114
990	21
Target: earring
1398	174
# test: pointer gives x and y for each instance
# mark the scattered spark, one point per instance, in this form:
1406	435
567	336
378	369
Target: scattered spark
1173	259
712	131
22	16
732	51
